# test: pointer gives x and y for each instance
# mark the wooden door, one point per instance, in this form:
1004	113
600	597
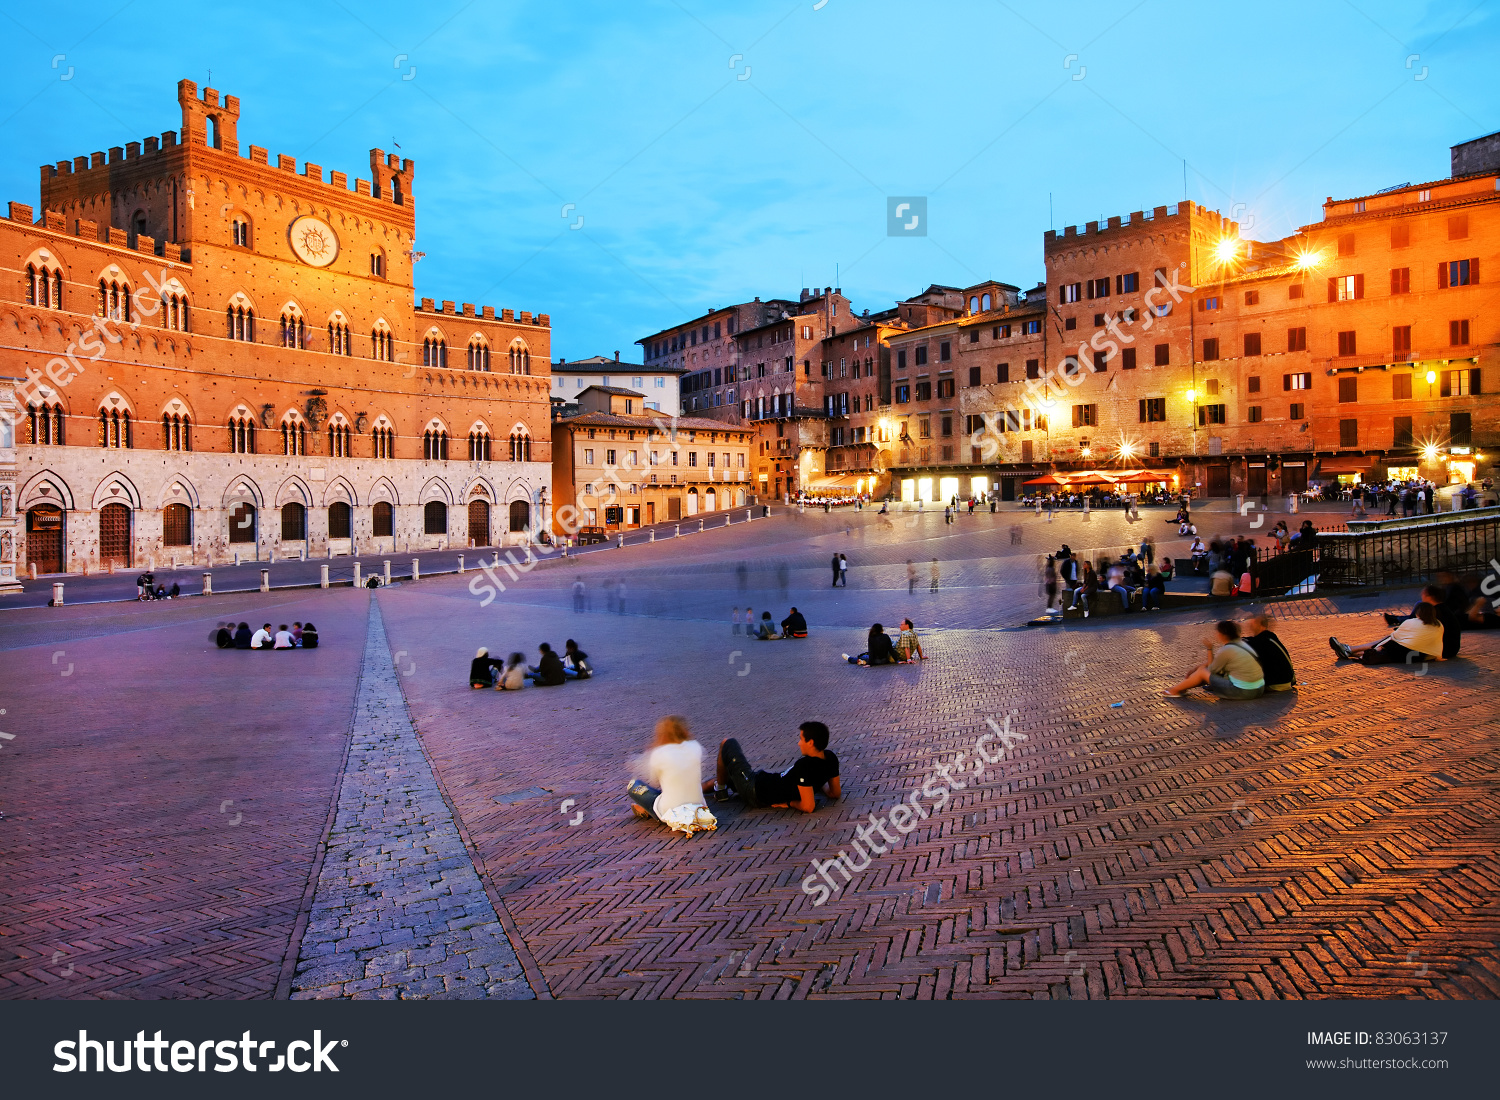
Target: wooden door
114	535
44	538
1218	481
479	523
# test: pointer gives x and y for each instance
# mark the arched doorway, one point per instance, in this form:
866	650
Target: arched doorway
176	525
44	538
479	523
384	520
114	535
435	518
340	520
692	502
710	501
293	522
520	515
242	522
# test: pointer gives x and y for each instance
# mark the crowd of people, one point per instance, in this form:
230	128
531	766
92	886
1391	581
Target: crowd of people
297	636
146	588
513	673
1136	578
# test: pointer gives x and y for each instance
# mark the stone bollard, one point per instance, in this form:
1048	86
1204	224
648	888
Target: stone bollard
112	566
265	580
700	526
416	570
330	549
271	557
236	557
323	576
387	572
358	583
57	593
208	584
32	567
653	535
460	564
622	540
748	514
678	533
302	553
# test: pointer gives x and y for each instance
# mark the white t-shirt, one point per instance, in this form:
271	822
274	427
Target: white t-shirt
284	640
260	639
513	679
1415	634
677	771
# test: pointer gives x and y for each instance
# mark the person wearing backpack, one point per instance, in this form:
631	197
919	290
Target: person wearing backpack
1232	670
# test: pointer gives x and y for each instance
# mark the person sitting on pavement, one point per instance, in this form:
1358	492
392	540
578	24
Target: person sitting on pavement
1154	589
242	636
309	636
284	639
1417	639
672	791
263	638
815	772
879	649
1275	661
513	674
161	592
767	629
1479	609
1232	670
224	638
482	669
907	642
794	625
576	662
549	671
1443	603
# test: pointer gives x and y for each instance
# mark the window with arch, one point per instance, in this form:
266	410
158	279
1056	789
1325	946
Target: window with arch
520	515
114	299
177	525
973	303
114	428
984	302
520	444
340	520
44	287
383	520
44	424
382	343
241	229
293	436
293	522
479	354
338	438
435	444
384	438
520	358
339	341
479	445
176	432
435	518
241	435
293	329
377	265
434	352
241	320
174	308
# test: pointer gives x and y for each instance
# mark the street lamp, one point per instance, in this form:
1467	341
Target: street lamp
1431	378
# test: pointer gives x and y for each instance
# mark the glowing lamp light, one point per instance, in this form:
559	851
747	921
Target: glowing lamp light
1307	260
1127	449
1192	395
1226	249
1430	452
1431	377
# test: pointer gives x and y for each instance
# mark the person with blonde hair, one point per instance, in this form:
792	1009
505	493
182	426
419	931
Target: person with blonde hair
672	791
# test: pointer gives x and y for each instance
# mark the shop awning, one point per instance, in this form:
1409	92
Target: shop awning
1333	467
839	484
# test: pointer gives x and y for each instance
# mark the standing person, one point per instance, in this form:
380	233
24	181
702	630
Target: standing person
843	571
578	591
734	617
816	771
934	575
1049	579
1148	549
834	565
749	620
1088	588
911	577
672	791
1274	659
947	515
1232	670
620	598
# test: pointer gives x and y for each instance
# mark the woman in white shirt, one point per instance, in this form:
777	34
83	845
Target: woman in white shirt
673	789
513	676
1417	639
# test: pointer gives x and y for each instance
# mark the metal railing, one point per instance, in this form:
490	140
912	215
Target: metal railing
1397	555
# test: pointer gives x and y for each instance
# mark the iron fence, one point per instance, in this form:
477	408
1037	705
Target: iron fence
1399	555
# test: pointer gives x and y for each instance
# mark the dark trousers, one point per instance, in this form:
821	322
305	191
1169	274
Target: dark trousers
1393	653
1153	596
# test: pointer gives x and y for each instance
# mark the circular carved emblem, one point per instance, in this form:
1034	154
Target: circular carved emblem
314	241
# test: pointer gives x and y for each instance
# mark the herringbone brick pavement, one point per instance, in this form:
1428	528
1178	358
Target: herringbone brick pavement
164	800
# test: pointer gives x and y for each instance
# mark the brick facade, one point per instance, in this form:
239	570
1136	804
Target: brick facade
202	329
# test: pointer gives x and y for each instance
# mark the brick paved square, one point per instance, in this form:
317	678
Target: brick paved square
1339	841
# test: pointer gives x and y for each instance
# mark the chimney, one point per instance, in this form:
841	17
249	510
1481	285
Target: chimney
617	357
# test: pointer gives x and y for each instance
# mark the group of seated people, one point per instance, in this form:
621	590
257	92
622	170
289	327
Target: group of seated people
298	636
793	626
673	790
1134	578
882	649
146	588
1241	663
512	674
1433	631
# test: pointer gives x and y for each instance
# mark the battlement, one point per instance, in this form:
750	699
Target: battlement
508	316
1132	223
210	121
55	222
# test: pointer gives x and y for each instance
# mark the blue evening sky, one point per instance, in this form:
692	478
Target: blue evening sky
720	151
